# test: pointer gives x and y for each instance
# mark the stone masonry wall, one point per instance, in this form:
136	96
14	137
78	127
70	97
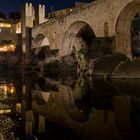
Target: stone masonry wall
101	16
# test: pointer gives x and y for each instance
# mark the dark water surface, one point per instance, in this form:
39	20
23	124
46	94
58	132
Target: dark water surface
66	106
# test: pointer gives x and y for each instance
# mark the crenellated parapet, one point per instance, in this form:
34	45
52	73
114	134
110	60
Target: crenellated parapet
31	16
41	13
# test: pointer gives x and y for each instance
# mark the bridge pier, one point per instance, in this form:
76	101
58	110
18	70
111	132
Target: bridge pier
26	43
29	18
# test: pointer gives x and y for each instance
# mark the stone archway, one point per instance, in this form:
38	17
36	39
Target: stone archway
45	42
77	34
40	50
40	43
77	41
123	28
40	40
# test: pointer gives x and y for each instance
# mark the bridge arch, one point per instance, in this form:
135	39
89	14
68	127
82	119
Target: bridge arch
77	35
40	40
123	28
40	45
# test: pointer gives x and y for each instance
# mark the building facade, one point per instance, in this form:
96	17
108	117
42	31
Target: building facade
9	33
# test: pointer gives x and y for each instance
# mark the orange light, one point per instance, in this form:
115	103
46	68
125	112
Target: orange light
7	48
8	88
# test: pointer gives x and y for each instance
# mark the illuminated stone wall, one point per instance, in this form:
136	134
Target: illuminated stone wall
107	18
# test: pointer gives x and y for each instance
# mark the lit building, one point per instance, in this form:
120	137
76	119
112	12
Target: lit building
18	27
9	35
7	93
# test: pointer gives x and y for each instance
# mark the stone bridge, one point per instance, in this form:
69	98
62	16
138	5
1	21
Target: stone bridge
102	18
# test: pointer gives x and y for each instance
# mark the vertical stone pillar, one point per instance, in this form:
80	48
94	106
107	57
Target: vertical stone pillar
41	124
29	122
123	116
27	22
41	13
27	54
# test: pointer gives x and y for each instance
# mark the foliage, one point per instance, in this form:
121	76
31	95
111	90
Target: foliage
14	15
2	15
7	42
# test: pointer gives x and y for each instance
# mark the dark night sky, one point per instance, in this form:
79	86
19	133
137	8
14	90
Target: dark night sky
15	5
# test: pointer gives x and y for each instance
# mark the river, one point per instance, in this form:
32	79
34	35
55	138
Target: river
67	106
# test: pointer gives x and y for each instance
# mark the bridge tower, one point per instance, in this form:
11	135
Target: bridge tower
40	14
27	22
30	17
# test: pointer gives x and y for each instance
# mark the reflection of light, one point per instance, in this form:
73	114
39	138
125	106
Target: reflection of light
12	89
7	88
5	111
18	107
45	95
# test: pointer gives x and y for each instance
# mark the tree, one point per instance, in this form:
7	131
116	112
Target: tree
2	15
14	15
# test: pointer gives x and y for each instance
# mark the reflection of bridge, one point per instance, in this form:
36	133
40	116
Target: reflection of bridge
109	117
102	18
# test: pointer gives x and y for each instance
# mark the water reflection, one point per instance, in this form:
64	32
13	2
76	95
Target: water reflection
93	108
69	107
